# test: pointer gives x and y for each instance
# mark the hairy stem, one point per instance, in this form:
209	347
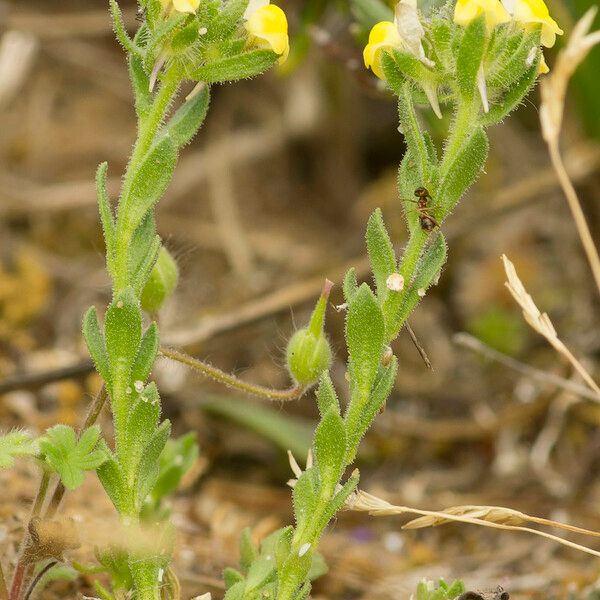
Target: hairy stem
292	393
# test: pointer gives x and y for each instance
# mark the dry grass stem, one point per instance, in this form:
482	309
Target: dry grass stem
541	323
496	517
553	91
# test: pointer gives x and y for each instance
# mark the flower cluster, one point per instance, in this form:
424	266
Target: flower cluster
507	23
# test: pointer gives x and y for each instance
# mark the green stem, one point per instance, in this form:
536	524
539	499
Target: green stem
148	128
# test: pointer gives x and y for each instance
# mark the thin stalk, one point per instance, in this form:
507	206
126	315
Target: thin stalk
578	216
292	393
38	577
22	568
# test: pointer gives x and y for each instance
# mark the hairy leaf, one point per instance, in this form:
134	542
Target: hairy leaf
233	68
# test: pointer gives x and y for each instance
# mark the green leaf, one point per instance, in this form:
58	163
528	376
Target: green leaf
470	55
380	393
148	184
184	124
261	572
14	444
463	172
381	253
501	108
394	77
248	551
112	479
228	20
326	397
236	592
69	457
123	333
143	250
141	86
364	336
96	346
350	285
233	68
231	577
148	469
304	496
106	216
146	354
338	500
120	29
141	424
511	64
428	270
330	450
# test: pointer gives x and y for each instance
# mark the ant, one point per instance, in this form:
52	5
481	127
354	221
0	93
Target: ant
426	220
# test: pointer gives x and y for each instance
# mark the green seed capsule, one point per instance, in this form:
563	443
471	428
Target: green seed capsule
162	282
308	351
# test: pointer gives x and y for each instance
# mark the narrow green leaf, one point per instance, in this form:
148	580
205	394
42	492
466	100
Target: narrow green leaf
261	572
395	79
148	467
141	86
470	55
501	108
463	172
123	333
106	216
326	396
248	551
228	20
233	68
381	253
350	285
111	478
339	499
304	496
148	185
146	355
330	449
364	336
120	29
184	124
236	592
142	422
231	577
140	277
96	345
510	65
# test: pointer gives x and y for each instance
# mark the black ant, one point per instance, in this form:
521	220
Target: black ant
426	220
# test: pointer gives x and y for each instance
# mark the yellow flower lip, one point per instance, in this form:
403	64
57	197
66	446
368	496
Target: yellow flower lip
383	35
186	6
532	12
494	12
268	28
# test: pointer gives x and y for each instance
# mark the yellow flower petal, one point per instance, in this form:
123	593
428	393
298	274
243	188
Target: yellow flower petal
535	11
383	35
543	67
467	10
186	6
268	28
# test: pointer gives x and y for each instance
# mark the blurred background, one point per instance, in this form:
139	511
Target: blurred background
271	197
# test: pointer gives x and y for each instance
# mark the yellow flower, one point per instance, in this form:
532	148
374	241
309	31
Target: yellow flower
383	35
543	67
467	10
268	27
535	11
184	6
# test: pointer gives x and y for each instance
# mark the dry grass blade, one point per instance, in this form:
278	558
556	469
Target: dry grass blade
496	517
541	323
553	90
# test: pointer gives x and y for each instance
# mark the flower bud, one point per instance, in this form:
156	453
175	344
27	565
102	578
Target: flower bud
161	283
308	351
